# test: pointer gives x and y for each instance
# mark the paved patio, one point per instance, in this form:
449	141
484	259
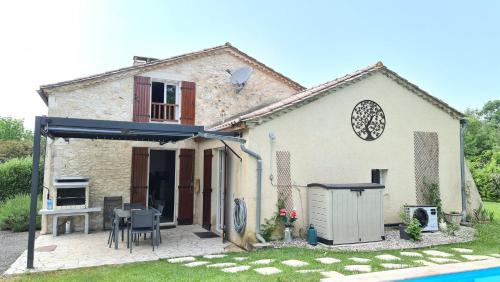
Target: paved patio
81	250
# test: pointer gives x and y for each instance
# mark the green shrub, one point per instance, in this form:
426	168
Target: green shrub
272	225
481	215
10	149
414	230
15	178
451	228
15	213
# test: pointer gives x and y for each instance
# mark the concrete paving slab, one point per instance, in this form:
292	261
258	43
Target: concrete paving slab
327	260
387	257
294	263
236	269
462	250
393	265
221	265
411	254
262	261
267	270
435	253
360	260
358	268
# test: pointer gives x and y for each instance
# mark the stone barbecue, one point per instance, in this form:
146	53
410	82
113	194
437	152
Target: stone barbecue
71	192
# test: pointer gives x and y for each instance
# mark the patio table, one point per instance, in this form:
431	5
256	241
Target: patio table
125	214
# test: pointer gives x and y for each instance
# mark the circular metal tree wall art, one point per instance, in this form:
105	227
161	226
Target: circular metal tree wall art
368	120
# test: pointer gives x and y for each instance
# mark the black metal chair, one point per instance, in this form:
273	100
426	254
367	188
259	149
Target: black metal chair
110	203
141	222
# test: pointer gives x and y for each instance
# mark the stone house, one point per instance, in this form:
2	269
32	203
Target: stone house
298	135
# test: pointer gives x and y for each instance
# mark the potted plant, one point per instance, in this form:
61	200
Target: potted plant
288	220
405	220
453	217
414	230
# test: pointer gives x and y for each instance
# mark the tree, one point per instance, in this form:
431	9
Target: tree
368	120
482	148
13	129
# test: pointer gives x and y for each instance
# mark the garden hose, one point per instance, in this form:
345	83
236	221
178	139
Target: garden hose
239	215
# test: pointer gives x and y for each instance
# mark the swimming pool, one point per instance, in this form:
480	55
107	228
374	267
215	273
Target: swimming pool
483	275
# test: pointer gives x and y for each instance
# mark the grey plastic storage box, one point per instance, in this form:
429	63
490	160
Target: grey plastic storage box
347	213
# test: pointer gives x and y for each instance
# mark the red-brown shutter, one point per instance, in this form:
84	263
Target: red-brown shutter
186	179
142	98
188	102
140	160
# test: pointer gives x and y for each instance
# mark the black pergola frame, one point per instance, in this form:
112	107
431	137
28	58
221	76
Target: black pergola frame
55	127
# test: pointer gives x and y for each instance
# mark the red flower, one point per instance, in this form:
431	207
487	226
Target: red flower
293	214
283	212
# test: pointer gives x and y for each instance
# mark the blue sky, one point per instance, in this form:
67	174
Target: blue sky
449	48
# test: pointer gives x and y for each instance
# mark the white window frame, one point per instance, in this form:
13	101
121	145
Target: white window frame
178	96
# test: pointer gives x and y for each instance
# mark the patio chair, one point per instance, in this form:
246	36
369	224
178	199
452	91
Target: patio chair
141	222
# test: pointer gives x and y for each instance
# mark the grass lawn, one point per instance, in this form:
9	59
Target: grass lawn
487	242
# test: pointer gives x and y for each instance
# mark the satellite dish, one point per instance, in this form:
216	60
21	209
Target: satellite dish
240	77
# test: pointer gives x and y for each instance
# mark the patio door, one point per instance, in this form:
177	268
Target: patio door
140	163
207	188
186	179
221	190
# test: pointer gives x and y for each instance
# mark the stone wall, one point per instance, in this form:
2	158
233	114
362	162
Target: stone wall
108	163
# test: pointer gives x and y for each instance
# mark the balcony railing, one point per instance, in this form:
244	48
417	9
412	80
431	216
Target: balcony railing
163	112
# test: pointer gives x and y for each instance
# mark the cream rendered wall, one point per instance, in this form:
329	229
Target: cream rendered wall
325	149
108	163
238	171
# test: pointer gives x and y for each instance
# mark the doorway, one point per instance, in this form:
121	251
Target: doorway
161	191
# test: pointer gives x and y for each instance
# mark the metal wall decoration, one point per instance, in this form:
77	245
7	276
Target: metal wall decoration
368	120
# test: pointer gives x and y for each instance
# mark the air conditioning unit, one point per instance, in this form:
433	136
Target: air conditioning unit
427	215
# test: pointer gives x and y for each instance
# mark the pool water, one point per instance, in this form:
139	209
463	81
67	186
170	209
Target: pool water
483	275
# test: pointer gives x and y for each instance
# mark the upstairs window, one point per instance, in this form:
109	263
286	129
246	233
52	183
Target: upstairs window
164	101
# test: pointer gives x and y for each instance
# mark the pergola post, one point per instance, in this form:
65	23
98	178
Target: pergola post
34	192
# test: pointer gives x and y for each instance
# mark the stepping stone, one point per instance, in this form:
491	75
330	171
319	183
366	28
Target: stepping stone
294	263
221	265
236	269
463	251
393	265
332	274
240	258
214	256
360	260
424	262
437	253
196	263
182	259
308	270
473	257
327	260
262	261
443	260
267	270
411	254
495	255
358	268
387	257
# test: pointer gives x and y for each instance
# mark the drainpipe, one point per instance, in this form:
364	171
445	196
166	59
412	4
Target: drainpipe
258	158
463	125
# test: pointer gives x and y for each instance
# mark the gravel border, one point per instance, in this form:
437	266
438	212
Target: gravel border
12	245
391	242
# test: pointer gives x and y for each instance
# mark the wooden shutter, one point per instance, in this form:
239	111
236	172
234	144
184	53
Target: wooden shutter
186	179
207	188
142	98
188	102
140	163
